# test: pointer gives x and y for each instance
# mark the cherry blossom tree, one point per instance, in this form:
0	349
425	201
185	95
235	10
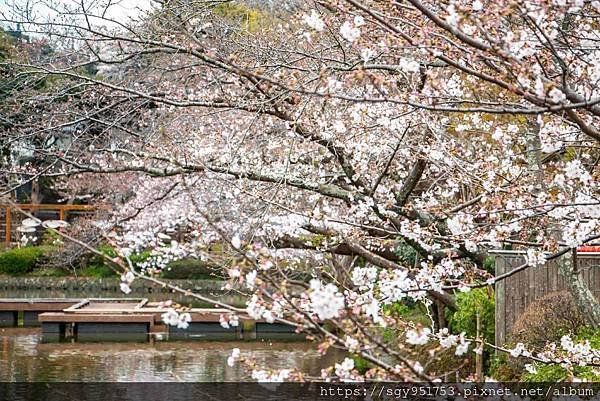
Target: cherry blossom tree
350	155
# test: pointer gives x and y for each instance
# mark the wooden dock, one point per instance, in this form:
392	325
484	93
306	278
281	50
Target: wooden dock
10	309
129	319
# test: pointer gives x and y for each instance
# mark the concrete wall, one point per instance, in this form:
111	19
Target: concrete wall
100	284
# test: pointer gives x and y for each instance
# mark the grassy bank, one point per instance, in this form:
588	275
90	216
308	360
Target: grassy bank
34	261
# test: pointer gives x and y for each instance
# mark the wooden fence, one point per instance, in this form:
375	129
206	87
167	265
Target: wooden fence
515	293
11	218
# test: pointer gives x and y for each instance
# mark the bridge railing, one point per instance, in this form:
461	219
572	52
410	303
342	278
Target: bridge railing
12	218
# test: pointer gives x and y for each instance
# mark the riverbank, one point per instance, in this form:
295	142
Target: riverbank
86	287
103	284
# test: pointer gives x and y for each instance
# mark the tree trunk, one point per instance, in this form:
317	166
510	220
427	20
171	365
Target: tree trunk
438	309
441	314
478	355
534	153
587	304
35	192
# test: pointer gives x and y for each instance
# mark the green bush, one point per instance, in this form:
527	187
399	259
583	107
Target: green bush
547	374
406	253
138	258
51	238
18	261
189	269
97	271
408	310
107	250
592	336
556	373
477	302
489	264
470	304
98	266
361	364
501	369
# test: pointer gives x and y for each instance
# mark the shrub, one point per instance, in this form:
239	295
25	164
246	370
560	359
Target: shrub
98	266
547	374
97	260
138	258
479	301
489	264
51	238
97	271
18	261
361	364
406	253
49	272
107	250
501	370
556	373
548	319
408	310
592	336
250	19
189	269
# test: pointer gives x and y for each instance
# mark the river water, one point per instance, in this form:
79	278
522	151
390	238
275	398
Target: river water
231	299
24	357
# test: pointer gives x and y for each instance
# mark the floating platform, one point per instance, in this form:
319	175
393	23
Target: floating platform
130	319
11	309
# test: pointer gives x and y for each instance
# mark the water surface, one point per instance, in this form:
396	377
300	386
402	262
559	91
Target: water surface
229	298
23	357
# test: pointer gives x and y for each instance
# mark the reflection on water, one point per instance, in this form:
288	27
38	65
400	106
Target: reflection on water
23	357
230	298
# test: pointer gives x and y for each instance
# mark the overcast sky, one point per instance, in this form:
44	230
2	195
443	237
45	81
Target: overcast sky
44	10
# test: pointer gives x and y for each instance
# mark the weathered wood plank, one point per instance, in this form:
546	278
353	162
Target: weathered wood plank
274	328
38	305
500	303
103	327
50	317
